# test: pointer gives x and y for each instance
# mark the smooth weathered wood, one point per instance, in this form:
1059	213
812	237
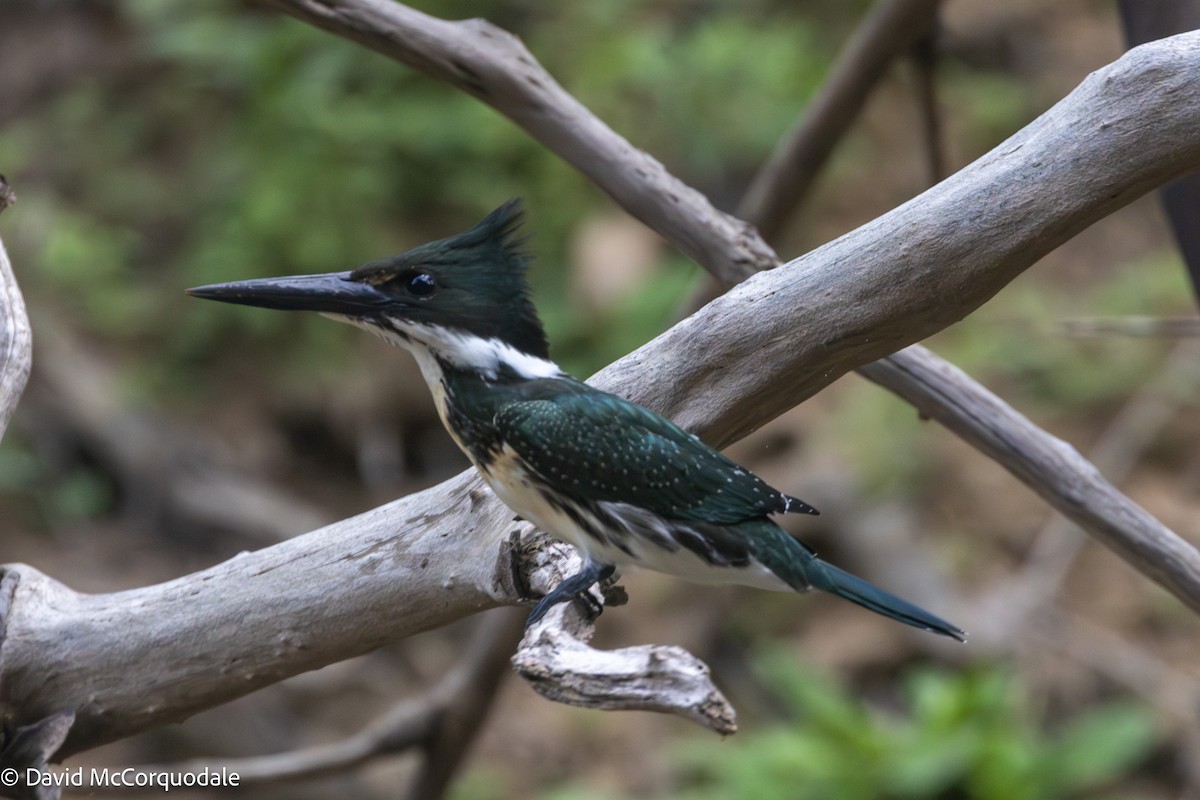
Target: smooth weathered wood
131	660
555	659
645	678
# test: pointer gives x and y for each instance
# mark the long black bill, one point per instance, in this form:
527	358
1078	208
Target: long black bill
332	293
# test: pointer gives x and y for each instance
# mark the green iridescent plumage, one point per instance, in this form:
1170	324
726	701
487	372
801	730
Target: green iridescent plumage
602	447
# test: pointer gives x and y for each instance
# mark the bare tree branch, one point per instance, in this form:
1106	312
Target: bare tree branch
644	678
203	639
1006	609
557	662
891	29
924	60
1050	467
16	353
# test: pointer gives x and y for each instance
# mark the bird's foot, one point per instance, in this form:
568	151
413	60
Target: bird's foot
575	587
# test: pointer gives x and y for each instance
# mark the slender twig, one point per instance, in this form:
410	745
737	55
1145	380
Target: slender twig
1006	609
1049	466
890	30
1132	326
924	61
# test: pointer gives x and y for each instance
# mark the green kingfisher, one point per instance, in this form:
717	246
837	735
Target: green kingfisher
622	484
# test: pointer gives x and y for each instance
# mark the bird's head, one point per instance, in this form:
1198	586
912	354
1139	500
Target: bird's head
456	296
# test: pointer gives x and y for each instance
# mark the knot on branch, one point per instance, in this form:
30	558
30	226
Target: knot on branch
662	678
555	659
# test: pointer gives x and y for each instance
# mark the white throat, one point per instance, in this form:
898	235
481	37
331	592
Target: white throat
429	343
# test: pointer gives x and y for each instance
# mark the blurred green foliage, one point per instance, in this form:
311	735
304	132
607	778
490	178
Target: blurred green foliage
969	734
1017	347
233	142
59	492
1017	341
876	416
226	141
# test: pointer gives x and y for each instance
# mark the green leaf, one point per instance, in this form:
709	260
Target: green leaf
1099	746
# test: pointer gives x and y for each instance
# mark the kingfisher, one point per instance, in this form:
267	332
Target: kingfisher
622	484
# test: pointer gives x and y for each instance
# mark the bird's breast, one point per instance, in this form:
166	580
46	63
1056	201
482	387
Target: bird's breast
520	490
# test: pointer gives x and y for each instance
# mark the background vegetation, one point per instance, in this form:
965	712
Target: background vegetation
158	145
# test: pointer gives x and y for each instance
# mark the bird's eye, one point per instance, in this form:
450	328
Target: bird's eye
420	284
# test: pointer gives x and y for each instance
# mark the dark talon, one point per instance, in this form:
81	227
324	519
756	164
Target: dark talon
574	587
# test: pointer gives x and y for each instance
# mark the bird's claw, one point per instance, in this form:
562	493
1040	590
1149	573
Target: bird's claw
576	587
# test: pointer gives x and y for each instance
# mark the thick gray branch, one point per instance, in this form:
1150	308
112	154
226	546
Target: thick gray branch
131	660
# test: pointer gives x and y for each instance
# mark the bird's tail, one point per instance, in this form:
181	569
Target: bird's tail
829	578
